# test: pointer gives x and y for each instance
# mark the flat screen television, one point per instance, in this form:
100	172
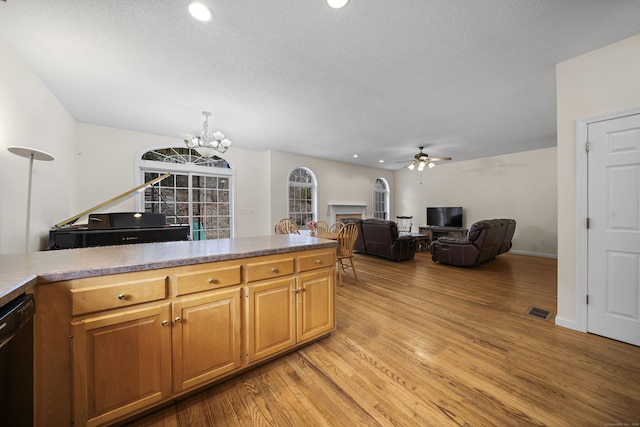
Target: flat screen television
445	216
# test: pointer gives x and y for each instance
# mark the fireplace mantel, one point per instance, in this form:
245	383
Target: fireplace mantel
340	209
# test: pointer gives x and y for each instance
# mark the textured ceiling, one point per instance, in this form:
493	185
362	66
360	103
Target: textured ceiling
378	78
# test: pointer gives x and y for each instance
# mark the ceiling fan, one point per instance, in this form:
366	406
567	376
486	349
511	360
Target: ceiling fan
422	159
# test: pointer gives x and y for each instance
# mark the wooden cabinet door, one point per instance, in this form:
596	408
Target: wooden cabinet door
121	363
316	304
206	337
270	318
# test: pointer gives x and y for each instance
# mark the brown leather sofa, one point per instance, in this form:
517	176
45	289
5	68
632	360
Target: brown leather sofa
380	237
485	240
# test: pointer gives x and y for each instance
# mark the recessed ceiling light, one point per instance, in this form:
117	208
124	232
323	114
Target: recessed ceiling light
200	12
337	4
380	161
356	156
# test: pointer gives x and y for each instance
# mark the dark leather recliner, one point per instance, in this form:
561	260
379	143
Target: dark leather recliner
381	237
485	240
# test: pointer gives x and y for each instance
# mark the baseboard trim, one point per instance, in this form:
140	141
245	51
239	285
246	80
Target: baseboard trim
566	323
538	254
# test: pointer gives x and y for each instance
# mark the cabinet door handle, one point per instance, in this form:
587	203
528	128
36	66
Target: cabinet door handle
212	281
318	261
165	322
294	291
274	270
123	297
177	320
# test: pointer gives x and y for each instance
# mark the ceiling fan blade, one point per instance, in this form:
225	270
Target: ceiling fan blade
437	159
405	161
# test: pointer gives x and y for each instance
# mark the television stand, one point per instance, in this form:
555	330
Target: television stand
434	232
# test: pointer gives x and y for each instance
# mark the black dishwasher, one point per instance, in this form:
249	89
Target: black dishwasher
16	361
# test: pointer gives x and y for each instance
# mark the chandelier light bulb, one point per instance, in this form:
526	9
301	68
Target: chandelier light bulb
421	166
411	166
431	165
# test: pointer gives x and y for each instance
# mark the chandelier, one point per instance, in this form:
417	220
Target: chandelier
208	143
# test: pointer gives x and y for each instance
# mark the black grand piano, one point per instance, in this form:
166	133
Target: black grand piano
120	228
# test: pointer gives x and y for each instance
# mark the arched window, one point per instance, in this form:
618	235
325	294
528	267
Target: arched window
302	196
381	199
198	192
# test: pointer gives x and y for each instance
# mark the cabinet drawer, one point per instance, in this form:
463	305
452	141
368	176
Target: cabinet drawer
314	261
269	269
212	278
123	294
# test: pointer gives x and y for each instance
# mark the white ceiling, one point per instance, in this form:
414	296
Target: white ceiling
465	78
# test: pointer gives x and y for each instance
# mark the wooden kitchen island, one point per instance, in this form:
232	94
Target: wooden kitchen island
122	329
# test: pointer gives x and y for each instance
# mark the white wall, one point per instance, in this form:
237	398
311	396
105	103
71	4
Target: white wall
600	82
106	169
521	186
338	183
95	163
31	116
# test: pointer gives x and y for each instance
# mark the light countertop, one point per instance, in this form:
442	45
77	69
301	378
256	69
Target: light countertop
21	272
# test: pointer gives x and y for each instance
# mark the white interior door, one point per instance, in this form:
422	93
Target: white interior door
614	230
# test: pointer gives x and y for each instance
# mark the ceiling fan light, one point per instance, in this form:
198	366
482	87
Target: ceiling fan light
422	159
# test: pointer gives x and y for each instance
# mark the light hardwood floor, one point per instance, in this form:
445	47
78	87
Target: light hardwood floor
423	344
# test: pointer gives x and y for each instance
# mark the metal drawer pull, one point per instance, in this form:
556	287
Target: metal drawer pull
318	261
177	320
274	270
165	322
123	297
212	281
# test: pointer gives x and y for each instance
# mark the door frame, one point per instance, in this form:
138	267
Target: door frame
582	192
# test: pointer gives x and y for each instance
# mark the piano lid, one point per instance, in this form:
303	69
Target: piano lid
111	201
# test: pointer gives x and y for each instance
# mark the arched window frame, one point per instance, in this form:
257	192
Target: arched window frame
381	198
302	218
191	164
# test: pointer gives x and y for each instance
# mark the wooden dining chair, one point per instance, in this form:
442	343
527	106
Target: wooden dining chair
335	229
323	229
346	242
286	226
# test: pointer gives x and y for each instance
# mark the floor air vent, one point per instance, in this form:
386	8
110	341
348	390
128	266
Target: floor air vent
539	313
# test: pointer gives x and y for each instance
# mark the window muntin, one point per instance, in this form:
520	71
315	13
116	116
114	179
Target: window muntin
380	199
197	193
302	196
184	156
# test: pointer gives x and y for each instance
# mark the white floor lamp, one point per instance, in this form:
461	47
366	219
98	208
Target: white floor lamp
31	154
